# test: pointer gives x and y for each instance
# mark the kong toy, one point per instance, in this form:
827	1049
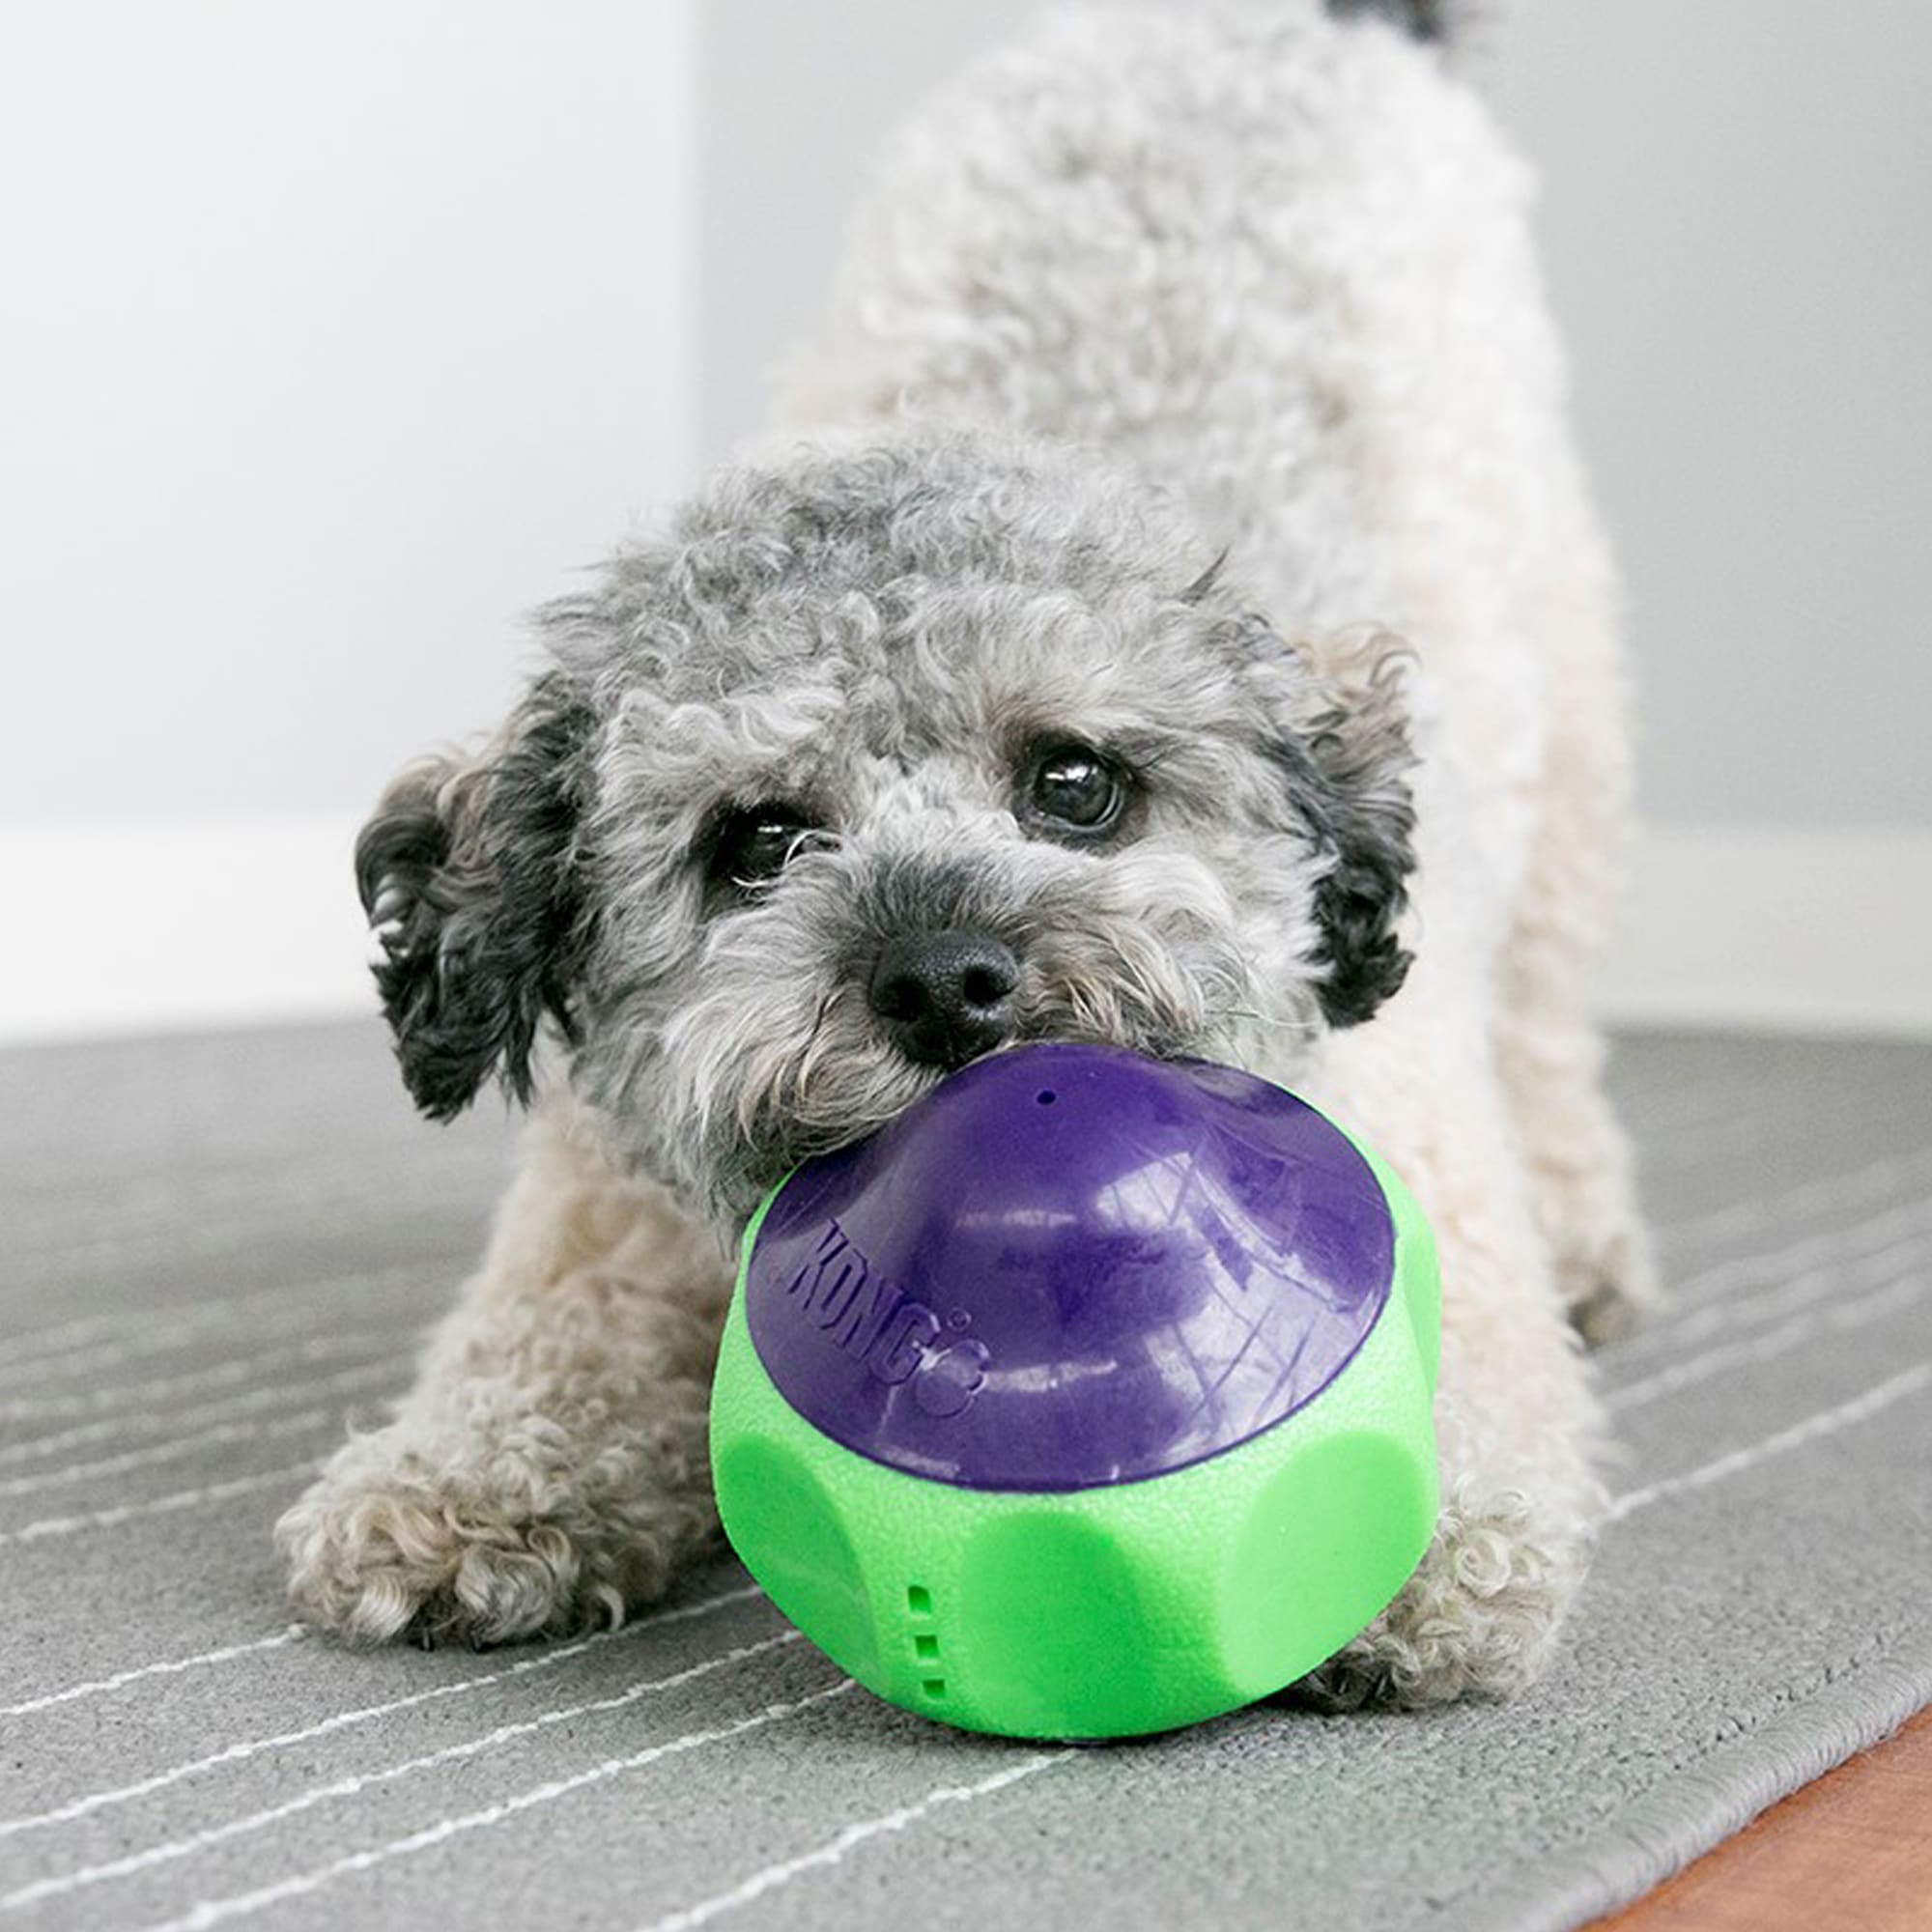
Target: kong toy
1092	1397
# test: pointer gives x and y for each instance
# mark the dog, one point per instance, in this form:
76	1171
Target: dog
1169	612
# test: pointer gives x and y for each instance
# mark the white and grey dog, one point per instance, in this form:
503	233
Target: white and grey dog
1044	684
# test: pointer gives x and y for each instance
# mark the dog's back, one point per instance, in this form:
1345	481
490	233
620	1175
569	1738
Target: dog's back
1274	257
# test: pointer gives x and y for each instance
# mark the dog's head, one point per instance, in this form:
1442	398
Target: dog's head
889	755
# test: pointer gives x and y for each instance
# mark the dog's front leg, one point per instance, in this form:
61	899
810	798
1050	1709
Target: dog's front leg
1516	1422
549	1470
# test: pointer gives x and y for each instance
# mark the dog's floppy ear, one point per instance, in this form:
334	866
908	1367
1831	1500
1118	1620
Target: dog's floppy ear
1346	759
466	872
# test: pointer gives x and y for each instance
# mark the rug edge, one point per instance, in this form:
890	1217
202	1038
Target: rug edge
1668	1828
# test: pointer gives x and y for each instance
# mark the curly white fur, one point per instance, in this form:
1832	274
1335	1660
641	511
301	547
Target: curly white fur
1279	265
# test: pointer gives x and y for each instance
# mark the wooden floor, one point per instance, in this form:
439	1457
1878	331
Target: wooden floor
1854	1851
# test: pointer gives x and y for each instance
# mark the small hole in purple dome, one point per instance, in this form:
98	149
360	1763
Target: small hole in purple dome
1047	1098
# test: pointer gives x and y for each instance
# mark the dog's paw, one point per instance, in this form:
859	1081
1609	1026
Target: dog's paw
390	1543
1600	1251
372	1558
1610	1291
1478	1617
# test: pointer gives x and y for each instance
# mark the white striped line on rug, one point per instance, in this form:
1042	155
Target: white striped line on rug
1704	1285
212	1375
168	1505
1693	1289
1825	1423
288	1305
1915	1381
360	1781
270	1394
833	1852
172	1667
1657	1128
181	1326
1841	1243
1900	1293
213	1912
52	1345
225	1243
1741	1309
382	1371
1878	1177
1762	1296
341	1720
71	1347
86	1328
173	1450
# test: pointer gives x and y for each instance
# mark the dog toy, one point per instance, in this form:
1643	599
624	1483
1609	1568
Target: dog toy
1090	1398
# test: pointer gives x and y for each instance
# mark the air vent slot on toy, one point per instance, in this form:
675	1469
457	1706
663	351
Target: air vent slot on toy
1128	1363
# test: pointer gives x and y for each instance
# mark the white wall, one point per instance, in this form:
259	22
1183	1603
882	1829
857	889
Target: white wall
1737	200
795	102
334	336
1737	222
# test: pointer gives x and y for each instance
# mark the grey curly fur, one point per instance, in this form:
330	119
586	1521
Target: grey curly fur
880	636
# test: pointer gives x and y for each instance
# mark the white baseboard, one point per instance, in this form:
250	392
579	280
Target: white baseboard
116	928
1778	930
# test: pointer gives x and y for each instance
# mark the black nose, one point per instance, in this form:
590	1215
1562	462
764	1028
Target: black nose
944	997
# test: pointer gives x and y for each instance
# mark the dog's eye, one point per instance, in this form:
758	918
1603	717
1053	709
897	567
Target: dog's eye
754	843
1074	789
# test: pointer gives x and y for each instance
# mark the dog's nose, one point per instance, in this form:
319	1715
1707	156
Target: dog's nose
944	997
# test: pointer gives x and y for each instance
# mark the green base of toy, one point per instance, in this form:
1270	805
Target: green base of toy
1099	1612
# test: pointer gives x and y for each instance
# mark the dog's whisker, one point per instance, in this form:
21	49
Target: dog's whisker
816	1046
1302	1029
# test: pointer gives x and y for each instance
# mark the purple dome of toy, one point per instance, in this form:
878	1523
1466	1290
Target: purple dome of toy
1070	1266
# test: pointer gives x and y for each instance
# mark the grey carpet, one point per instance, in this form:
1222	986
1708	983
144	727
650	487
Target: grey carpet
214	1248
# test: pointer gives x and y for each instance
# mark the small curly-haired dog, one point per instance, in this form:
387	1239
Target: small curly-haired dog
1043	684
